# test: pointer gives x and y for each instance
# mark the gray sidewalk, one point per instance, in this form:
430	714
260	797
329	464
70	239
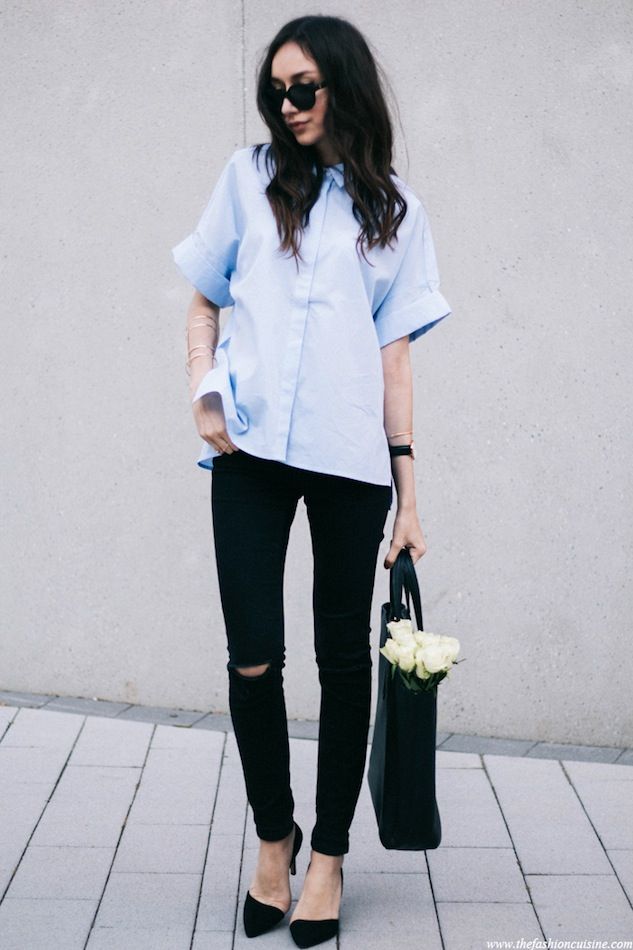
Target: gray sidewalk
119	834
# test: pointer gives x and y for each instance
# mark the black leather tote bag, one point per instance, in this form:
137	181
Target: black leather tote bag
401	772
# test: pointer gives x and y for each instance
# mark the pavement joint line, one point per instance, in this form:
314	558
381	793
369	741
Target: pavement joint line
55	784
596	833
124	826
308	728
515	850
207	847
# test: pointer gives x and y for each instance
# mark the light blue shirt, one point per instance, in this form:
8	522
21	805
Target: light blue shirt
298	362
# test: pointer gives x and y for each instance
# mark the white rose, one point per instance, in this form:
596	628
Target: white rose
424	638
405	638
397	625
435	658
390	650
421	670
406	658
451	646
419	654
402	632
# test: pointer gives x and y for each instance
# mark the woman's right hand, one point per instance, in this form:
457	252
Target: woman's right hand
209	417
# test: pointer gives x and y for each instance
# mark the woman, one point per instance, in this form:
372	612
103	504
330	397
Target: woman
327	259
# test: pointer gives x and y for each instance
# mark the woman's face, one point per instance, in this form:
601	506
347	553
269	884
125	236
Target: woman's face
290	65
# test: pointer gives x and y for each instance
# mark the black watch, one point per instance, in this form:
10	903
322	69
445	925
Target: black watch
403	450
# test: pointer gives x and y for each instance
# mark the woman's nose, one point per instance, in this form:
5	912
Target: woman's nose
287	108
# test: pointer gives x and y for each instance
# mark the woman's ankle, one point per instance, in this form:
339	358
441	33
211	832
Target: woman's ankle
327	862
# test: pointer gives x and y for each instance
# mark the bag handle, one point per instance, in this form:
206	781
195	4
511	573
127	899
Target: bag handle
403	576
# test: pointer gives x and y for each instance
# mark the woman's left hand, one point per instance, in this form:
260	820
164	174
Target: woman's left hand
407	533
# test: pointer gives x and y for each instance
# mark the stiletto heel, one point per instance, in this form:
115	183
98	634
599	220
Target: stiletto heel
260	917
308	933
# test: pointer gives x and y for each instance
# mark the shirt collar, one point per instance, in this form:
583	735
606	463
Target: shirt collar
336	173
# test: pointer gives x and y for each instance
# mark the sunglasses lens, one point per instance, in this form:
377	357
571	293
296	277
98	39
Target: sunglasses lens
275	97
302	96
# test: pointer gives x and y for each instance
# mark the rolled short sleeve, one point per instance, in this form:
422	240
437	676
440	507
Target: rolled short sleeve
208	256
413	303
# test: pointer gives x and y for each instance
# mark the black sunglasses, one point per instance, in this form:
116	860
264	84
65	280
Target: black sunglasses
302	95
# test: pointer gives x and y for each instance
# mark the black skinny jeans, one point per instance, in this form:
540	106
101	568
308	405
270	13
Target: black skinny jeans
254	502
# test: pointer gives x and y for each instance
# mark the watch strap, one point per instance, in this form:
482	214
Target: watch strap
402	450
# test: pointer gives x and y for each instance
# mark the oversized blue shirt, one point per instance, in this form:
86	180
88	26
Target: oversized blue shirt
298	362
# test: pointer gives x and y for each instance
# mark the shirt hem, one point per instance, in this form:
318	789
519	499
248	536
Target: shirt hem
207	463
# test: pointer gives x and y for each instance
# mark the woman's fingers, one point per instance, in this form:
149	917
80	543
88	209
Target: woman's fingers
225	445
415	550
209	416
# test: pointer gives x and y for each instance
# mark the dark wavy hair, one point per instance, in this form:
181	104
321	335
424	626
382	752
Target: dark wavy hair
357	123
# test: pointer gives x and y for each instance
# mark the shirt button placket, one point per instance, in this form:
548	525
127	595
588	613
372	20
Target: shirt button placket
298	318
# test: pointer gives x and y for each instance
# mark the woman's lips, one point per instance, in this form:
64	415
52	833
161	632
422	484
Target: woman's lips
295	126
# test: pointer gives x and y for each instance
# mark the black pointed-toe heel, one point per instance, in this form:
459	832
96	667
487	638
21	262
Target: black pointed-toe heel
307	933
260	917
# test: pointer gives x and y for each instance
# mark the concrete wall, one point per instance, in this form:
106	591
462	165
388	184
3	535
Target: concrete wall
517	136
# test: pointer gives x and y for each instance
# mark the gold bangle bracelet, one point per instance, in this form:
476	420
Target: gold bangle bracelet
204	316
202	346
204	323
199	326
196	356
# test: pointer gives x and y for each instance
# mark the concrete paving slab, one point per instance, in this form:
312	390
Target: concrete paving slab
97	831
388	905
179	780
355	940
366	849
622	861
476	875
145	901
468	809
88	808
19	815
457	760
166	803
218	899
7	870
606	793
548	824
581	906
229	812
31	729
28	766
212	941
42	924
558	750
87	707
169	717
481	744
468	926
25	699
112	938
162	849
182	737
109	742
215	722
60	873
7	714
